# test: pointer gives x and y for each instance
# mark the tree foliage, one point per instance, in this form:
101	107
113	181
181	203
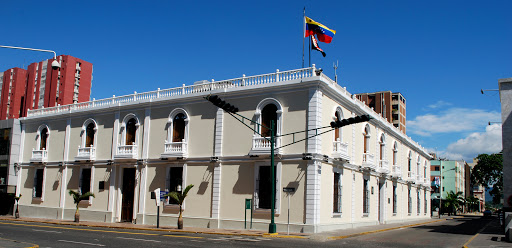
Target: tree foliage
453	200
77	197
488	172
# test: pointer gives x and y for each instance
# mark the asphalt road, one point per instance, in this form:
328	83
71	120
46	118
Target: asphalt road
451	233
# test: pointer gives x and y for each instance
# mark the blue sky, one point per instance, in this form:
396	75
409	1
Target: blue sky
438	54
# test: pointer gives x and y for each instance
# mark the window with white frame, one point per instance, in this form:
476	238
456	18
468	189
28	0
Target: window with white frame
395	198
382	143
86	181
263	186
177	129
89	133
175	182
366	196
409	161
409	201
366	138
337	192
129	129
395	153
131	132
418	205
338	116
43	135
418	162
38	187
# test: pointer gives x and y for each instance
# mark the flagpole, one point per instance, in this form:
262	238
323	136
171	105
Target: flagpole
303	35
309	52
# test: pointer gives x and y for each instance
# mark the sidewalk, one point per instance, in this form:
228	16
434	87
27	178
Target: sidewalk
324	236
352	232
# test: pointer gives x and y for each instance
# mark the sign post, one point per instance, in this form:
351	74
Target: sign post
157	199
248	205
289	191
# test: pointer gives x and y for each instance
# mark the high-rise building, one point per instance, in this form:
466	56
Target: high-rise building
390	105
41	86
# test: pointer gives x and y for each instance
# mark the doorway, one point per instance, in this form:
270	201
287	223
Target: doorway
127	191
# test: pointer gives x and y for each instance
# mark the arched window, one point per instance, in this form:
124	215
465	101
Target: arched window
131	131
43	139
382	147
395	153
338	116
177	126
268	114
418	162
176	144
89	133
267	111
366	138
409	161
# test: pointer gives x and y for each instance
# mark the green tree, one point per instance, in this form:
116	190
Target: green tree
179	197
472	203
453	201
77	197
488	172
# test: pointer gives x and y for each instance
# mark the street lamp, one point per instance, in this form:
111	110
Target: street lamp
55	63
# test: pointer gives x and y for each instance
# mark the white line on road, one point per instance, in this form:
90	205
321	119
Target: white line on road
83	243
147	240
38	230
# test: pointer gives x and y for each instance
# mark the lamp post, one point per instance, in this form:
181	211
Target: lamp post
55	63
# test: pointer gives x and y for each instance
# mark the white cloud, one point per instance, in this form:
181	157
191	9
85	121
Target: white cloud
439	104
474	144
451	121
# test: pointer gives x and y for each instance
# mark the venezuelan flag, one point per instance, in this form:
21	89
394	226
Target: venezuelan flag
323	33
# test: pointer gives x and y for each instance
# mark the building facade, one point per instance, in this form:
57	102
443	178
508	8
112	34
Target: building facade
41	86
123	148
450	175
390	105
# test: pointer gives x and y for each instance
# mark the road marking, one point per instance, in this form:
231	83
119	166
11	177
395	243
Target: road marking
184	236
83	243
479	231
38	230
80	229
147	240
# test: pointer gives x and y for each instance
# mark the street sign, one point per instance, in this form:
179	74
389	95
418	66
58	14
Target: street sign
247	203
289	190
162	193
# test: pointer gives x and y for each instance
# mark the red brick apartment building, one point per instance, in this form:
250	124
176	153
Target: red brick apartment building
41	86
390	105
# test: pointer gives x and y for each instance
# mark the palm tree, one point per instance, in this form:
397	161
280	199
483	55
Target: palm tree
453	201
179	197
472	203
77	197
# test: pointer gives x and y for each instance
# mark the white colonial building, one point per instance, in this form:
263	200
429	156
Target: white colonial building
123	148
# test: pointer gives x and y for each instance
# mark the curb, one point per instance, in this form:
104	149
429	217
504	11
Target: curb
16	241
266	235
